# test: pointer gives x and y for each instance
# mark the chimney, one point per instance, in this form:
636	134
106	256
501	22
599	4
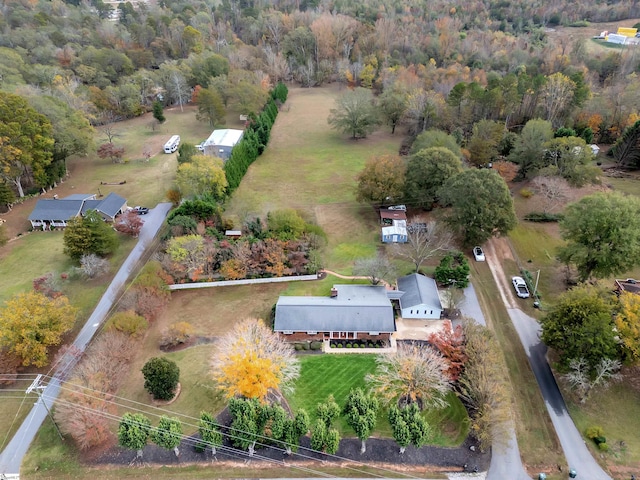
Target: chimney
334	292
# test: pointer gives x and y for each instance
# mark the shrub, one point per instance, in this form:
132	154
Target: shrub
316	345
200	447
526	193
339	345
604	447
177	333
306	346
129	322
161	377
600	440
543	217
348	345
331	345
298	347
594	431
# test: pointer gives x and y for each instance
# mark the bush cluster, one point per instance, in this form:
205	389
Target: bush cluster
356	344
543	217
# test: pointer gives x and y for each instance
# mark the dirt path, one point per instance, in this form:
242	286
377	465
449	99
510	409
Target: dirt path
496	250
355	277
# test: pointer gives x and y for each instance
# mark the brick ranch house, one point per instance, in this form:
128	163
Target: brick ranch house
356	312
351	312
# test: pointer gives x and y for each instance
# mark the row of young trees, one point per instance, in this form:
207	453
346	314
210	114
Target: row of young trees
255	138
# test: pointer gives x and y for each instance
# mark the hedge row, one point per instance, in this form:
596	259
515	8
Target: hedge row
255	138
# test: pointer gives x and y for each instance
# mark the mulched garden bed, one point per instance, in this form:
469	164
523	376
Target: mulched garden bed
379	451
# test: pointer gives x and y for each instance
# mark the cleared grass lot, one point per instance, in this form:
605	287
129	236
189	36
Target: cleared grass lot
310	167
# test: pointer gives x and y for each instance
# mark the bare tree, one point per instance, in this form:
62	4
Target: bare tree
553	190
376	268
92	265
453	297
84	407
424	240
583	382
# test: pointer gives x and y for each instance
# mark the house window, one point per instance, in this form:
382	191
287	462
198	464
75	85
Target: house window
430	312
311	332
411	311
425	311
288	332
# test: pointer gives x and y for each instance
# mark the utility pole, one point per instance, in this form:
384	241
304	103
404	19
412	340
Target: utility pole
38	389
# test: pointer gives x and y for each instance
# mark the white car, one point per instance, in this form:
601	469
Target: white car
520	287
478	254
200	147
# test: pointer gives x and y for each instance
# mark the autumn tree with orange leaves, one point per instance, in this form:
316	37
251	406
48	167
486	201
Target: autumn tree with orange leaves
251	360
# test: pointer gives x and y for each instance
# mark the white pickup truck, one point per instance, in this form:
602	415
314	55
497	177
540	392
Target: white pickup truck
520	286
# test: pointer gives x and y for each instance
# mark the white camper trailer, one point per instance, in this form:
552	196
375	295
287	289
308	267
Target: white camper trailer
172	145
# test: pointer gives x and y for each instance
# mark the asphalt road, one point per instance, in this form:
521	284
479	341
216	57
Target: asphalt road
11	456
505	459
575	450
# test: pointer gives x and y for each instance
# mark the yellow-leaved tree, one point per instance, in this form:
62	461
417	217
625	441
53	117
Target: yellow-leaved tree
628	324
30	323
251	360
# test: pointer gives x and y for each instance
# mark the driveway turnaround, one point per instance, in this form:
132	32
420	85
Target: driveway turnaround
11	456
575	450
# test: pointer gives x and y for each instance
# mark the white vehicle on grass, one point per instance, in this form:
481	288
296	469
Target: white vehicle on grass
172	145
478	254
520	287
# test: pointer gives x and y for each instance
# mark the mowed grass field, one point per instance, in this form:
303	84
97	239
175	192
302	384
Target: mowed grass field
311	167
337	374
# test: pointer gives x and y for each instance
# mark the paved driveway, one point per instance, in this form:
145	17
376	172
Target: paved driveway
11	456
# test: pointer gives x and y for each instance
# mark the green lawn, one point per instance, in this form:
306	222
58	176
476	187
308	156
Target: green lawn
23	265
621	423
337	374
198	390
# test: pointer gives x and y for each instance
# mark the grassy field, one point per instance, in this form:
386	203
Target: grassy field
310	167
537	439
536	245
324	375
35	254
620	426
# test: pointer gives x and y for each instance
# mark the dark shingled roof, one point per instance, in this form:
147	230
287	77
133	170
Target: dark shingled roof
47	209
357	308
418	290
111	204
50	210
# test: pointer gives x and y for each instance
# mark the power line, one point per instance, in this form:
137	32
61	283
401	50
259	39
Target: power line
228	435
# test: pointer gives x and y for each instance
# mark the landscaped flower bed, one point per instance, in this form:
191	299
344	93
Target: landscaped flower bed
357	344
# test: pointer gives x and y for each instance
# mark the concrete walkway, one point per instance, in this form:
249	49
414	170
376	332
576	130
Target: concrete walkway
11	456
